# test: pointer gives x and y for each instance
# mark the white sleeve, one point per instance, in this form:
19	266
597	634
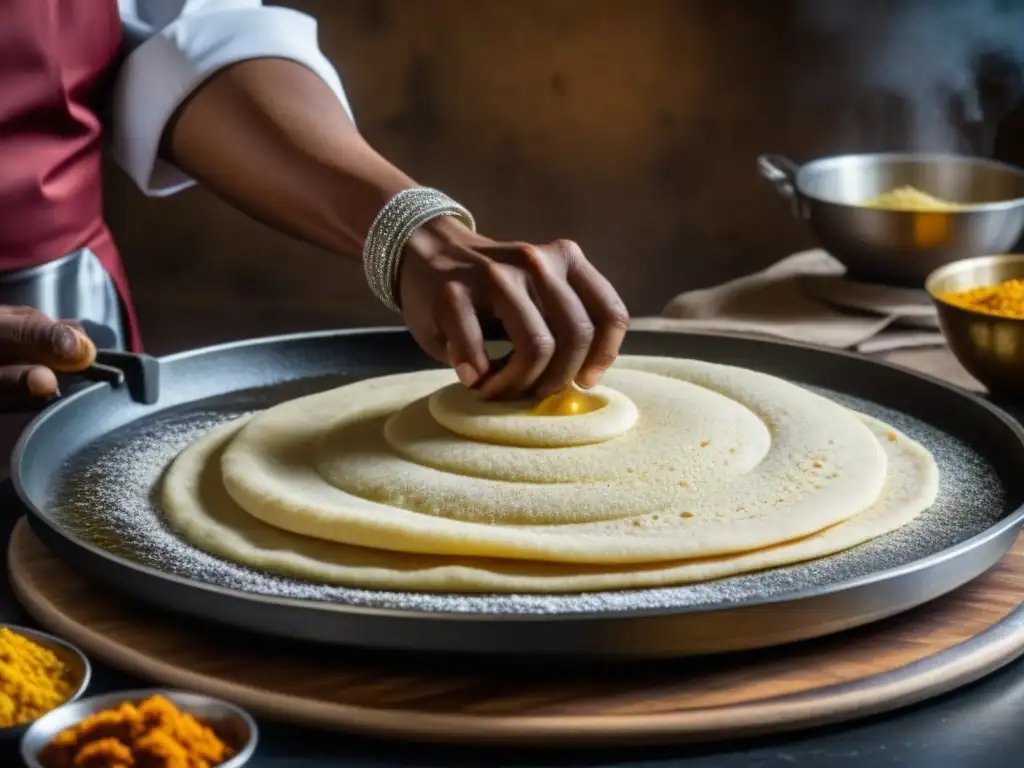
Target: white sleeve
172	47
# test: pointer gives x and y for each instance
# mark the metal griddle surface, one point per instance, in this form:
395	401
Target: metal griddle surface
89	471
107	496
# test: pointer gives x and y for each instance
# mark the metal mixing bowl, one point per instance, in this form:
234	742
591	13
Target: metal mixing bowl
902	247
991	348
231	723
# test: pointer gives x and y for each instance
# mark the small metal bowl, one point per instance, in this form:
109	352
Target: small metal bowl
232	724
79	671
991	348
902	247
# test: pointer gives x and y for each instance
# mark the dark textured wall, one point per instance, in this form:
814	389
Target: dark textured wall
630	126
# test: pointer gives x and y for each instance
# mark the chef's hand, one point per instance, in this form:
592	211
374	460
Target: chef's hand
564	319
32	347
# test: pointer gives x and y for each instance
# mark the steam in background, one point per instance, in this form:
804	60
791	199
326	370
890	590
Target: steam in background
952	68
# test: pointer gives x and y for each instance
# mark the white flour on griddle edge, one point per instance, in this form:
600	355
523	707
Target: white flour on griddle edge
108	498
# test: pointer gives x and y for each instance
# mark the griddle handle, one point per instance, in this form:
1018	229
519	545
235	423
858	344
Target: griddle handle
141	374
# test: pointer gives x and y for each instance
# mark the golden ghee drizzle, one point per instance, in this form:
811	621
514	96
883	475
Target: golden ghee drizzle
571	401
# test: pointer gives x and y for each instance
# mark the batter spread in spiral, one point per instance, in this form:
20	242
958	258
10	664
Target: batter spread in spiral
674	471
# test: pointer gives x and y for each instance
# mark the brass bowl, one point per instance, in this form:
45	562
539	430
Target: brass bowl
990	347
77	666
231	723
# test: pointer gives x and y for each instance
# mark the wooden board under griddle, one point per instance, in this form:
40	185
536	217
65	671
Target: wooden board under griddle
929	650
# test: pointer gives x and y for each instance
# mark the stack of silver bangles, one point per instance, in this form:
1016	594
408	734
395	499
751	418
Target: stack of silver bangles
403	214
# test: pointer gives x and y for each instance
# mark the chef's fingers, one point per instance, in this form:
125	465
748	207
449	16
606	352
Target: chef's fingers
24	381
457	320
566	316
606	310
27	335
532	342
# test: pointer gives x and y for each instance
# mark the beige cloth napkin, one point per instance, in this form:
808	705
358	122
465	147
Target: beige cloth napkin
805	298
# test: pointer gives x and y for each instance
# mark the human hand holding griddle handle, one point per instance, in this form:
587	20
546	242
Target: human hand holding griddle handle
564	319
33	349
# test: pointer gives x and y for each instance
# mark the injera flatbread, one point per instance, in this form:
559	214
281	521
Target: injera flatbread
199	508
721	460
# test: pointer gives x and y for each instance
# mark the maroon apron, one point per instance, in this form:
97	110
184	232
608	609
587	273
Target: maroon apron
56	59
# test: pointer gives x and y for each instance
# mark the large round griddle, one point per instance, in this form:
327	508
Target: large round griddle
88	467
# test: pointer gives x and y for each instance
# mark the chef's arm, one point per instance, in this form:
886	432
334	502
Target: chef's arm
269	137
239	96
256	112
173	48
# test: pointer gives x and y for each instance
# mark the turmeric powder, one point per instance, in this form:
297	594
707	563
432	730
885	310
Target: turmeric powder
154	734
32	680
1004	300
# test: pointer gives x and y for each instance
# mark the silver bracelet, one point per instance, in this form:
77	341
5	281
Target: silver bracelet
403	214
